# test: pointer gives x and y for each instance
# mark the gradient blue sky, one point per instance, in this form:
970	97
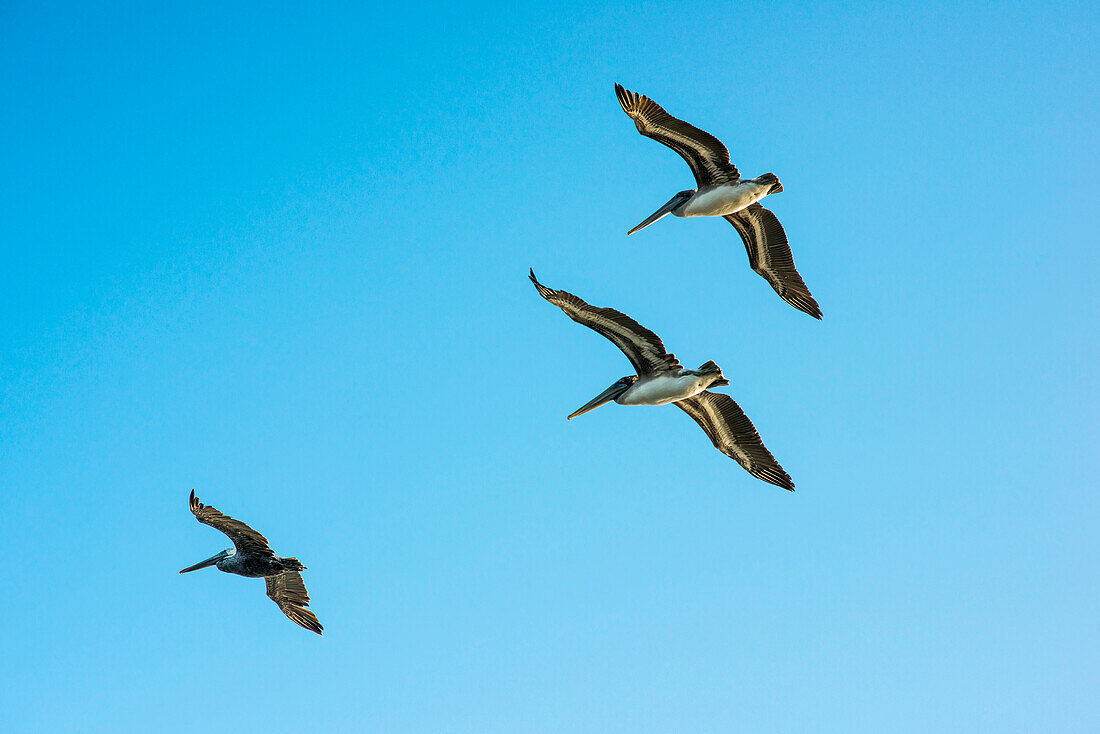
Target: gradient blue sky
279	255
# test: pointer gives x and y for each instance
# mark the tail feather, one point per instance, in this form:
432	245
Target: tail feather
292	564
710	368
773	180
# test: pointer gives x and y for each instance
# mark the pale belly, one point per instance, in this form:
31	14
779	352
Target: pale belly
724	200
661	390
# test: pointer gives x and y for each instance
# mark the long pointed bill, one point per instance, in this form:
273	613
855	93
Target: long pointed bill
208	562
664	210
605	397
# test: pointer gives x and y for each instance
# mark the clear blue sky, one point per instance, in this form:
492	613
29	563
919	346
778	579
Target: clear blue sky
280	256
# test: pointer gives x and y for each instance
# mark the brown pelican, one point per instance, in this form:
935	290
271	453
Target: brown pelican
251	556
723	193
661	380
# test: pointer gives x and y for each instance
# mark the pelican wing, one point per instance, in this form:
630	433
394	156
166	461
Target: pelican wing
734	435
640	345
289	592
244	538
708	158
770	255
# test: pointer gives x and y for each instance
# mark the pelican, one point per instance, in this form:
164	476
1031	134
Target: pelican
661	380
251	556
723	193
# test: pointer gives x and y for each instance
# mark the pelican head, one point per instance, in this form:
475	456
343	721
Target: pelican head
611	393
673	204
211	561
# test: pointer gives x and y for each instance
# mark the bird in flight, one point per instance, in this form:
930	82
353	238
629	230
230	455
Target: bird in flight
723	193
660	380
251	556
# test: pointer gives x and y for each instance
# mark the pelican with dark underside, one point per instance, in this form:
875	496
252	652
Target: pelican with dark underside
251	556
723	193
661	380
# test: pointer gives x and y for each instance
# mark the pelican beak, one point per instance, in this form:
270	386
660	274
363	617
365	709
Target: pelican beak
208	562
674	202
605	397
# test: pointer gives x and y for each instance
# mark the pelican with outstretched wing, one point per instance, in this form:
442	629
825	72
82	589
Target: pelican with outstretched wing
723	193
251	556
660	380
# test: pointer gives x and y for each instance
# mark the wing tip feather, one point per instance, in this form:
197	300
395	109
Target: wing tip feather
775	475
806	304
629	101
812	309
543	290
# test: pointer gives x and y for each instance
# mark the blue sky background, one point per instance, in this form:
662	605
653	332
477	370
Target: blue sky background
279	255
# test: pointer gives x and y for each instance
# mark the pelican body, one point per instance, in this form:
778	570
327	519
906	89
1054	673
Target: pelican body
723	193
661	380
662	388
251	565
668	388
251	556
716	200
